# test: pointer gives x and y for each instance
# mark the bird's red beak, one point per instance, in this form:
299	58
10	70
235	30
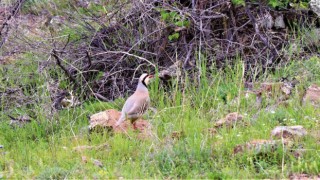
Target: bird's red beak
151	76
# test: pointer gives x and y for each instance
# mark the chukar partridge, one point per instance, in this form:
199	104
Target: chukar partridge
138	103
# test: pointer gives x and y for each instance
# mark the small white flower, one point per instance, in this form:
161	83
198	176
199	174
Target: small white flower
272	112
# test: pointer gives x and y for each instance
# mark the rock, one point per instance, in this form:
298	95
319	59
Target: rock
84	159
266	21
171	72
271	86
1	146
97	163
261	145
229	120
141	125
315	6
279	22
288	132
107	119
286	88
312	94
303	177
298	153
104	119
144	128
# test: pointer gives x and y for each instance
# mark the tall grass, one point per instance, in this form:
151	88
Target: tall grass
44	148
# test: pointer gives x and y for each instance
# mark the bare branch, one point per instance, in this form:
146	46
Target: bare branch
58	61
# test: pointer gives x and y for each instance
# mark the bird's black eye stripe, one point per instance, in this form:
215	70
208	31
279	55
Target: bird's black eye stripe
143	81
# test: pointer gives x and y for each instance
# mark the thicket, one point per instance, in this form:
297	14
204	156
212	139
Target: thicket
103	45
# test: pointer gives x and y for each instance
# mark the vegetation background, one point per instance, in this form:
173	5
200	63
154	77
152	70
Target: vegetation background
62	61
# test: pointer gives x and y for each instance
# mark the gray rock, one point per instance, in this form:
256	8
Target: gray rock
97	163
171	72
230	120
288	132
312	94
266	21
315	6
262	145
279	22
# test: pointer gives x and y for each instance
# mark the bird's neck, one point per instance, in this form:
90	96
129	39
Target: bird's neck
141	87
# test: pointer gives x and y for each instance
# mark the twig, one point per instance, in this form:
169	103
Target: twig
99	96
126	53
257	31
188	55
68	40
58	60
89	60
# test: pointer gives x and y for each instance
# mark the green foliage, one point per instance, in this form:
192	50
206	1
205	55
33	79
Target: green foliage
278	3
238	2
285	3
174	36
184	23
72	33
172	17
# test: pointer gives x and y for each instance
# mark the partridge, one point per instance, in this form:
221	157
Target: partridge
138	103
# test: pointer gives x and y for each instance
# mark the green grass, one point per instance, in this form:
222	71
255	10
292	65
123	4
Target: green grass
44	149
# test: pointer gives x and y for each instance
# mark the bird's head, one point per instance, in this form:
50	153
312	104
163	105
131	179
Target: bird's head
145	78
